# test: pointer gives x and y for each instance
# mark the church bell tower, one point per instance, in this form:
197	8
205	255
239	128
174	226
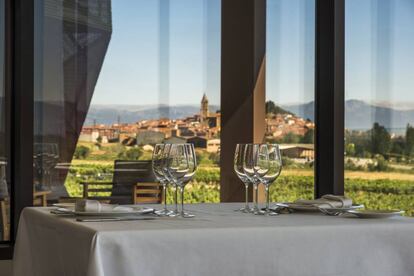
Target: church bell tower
204	108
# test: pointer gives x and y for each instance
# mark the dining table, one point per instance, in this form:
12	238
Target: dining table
217	241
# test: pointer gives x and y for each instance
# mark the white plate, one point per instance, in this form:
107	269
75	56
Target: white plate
310	208
136	211
65	205
343	209
376	213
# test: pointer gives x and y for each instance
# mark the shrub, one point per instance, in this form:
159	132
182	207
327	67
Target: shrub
215	158
131	154
380	165
81	152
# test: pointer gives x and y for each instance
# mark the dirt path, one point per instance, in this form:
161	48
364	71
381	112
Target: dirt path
359	174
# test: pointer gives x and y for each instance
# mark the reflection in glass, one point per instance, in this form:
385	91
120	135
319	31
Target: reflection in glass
4	137
290	62
115	78
379	103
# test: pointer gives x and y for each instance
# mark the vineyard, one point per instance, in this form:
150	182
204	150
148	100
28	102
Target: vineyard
373	193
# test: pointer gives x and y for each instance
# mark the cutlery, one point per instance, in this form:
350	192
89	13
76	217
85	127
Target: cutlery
279	208
112	219
332	213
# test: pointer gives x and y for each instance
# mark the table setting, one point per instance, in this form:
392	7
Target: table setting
174	166
94	238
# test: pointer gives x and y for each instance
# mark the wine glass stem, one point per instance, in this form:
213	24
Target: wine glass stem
247	197
256	197
182	200
176	199
267	198
164	190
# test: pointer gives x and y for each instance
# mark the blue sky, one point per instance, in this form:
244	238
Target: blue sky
379	56
130	74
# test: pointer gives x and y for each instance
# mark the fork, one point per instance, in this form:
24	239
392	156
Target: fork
331	213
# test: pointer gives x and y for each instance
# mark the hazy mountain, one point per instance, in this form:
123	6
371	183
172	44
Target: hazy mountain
361	115
108	114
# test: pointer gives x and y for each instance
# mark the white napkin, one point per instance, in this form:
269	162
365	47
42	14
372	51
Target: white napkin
327	201
85	205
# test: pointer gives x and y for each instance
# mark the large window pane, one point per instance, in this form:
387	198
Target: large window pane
4	138
290	93
113	78
380	103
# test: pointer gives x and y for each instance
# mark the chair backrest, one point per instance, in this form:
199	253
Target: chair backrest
5	223
127	173
147	193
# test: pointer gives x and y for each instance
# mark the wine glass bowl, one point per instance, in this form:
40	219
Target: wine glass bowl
181	168
249	165
269	167
238	169
159	157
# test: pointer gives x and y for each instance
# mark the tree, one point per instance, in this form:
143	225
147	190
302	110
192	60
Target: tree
291	138
350	149
308	138
271	107
380	140
131	154
409	141
81	152
398	147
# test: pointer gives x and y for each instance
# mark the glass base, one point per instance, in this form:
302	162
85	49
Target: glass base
163	212
174	214
187	215
263	212
244	210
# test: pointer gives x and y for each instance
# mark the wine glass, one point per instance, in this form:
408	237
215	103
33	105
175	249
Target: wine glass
158	162
268	169
238	168
249	163
178	168
170	179
192	167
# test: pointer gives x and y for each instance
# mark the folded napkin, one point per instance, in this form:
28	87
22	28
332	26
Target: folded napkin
326	201
85	205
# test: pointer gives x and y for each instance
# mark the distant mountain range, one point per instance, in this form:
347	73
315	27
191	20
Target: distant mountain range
109	114
361	115
358	114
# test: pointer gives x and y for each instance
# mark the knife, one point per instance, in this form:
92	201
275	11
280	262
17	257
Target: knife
110	219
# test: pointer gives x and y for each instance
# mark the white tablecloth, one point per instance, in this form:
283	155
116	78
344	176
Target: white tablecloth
218	241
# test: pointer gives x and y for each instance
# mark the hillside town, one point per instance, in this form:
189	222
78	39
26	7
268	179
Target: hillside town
202	129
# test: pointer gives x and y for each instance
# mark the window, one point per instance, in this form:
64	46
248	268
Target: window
4	137
290	63
379	106
113	79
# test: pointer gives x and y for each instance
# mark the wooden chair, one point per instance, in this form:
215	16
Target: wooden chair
148	193
40	198
122	189
5	223
97	190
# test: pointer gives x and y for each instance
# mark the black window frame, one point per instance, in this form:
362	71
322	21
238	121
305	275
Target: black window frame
250	19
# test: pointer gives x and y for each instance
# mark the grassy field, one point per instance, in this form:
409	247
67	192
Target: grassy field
358	174
384	190
376	190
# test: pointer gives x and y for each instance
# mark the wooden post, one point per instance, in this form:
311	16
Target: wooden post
242	86
329	97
